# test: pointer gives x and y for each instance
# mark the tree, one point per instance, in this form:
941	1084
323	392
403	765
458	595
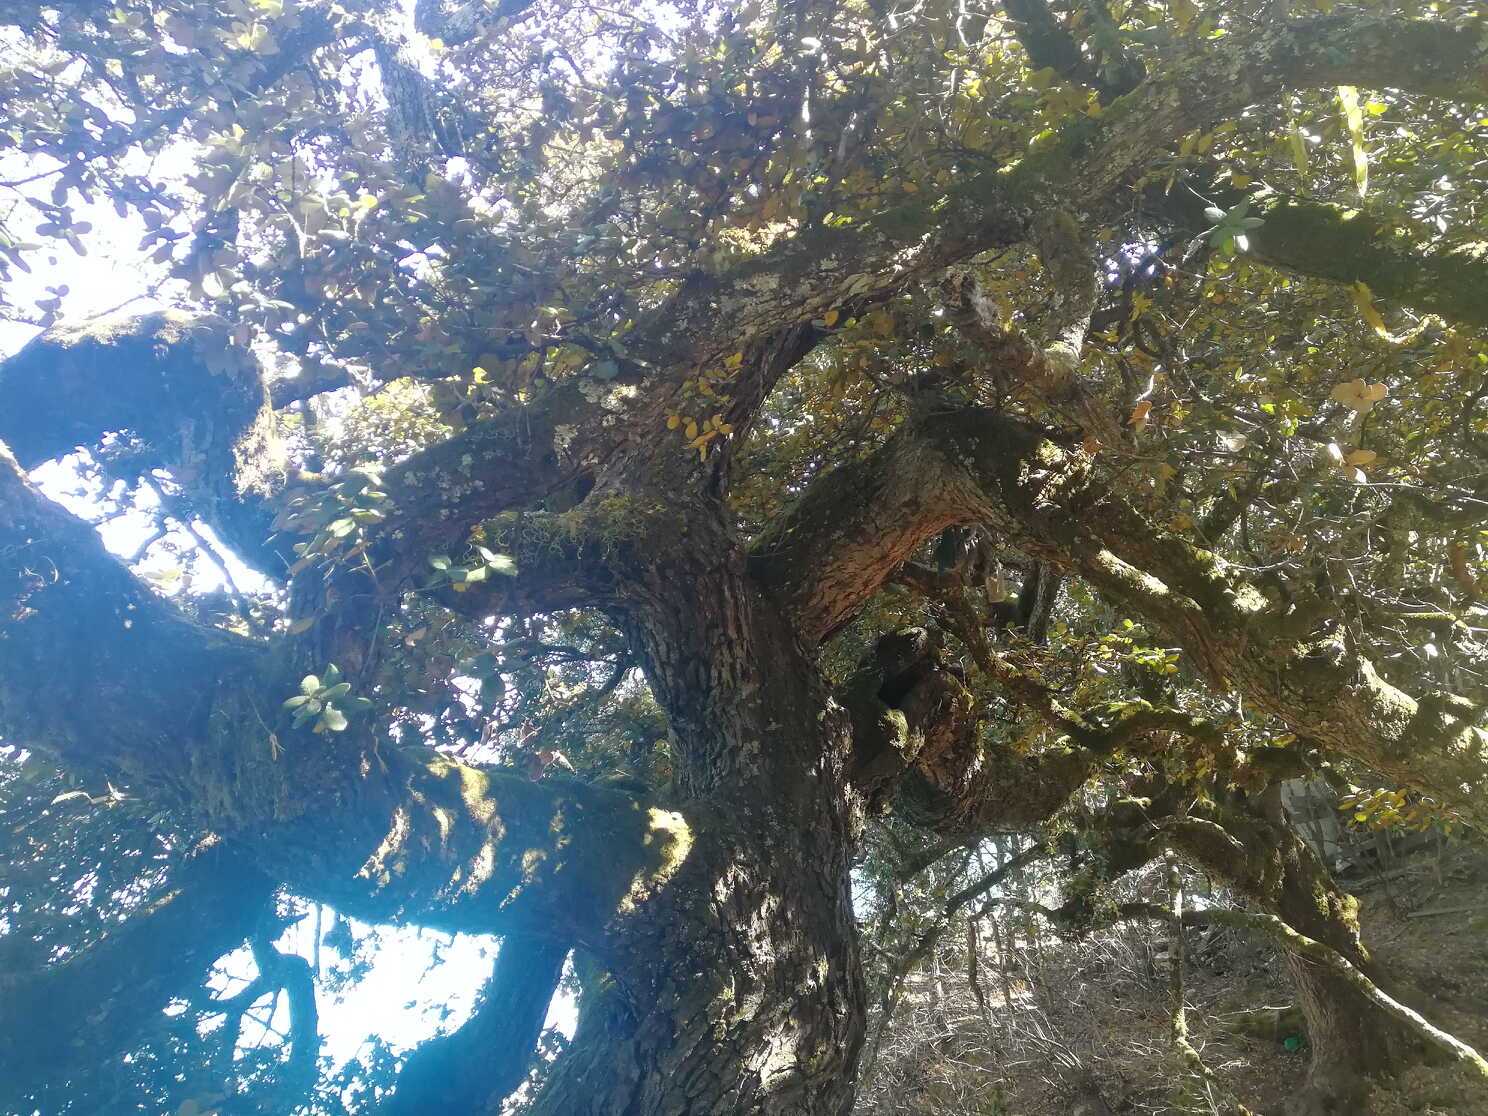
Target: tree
759	347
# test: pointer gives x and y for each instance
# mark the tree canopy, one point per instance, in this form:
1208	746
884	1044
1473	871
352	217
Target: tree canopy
646	481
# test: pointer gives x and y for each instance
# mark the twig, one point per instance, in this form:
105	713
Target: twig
1226	1104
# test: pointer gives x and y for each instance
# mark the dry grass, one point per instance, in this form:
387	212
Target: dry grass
1075	1026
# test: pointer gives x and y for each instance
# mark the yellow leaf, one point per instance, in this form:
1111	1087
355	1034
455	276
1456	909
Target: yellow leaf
1298	145
692	428
1041	79
1364	300
1357	395
1360	457
829	319
1140	414
673	421
1183	12
1353	116
735	360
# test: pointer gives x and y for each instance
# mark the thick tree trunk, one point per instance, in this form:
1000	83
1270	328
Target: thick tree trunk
741	992
738	986
1350	1038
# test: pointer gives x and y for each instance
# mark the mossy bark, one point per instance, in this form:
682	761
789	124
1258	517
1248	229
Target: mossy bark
1261	855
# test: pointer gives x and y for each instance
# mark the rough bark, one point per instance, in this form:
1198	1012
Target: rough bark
725	923
918	746
752	871
740	988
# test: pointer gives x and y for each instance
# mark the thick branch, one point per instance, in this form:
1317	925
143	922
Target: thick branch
973	465
1346	245
93	665
476	1067
291	974
190	400
820	268
95	1006
917	739
193	715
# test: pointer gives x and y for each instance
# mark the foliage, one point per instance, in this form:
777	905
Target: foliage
536	287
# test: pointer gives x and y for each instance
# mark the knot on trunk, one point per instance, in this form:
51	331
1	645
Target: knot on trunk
910	710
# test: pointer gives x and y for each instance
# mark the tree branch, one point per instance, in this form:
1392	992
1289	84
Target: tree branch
388	835
1326	956
176	383
1347	245
1228	1106
478	1066
95	1006
851	528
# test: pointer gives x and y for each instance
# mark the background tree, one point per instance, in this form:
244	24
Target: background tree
664	437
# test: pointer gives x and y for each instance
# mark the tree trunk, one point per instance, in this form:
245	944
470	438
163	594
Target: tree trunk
738	987
748	1000
1349	1037
1263	857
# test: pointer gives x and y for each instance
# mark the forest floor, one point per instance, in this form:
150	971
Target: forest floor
1082	1028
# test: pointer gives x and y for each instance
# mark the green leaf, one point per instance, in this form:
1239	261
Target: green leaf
333	719
439	562
340	689
479	666
296	701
